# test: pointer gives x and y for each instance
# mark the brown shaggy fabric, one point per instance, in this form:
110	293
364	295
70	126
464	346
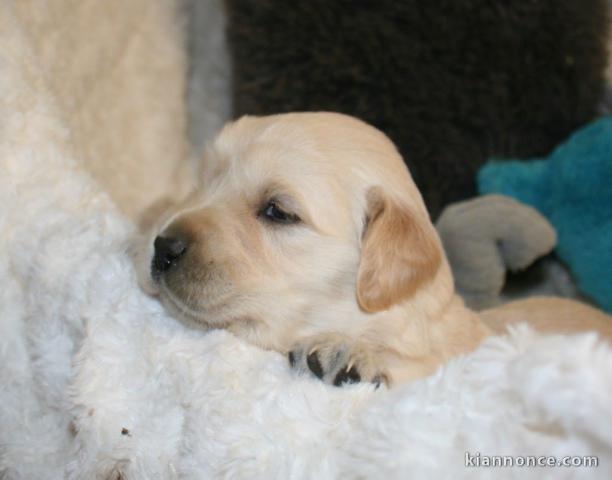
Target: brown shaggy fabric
452	82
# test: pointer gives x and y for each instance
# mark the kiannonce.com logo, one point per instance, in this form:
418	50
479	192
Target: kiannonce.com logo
501	461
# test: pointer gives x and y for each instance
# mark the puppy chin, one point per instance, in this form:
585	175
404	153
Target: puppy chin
180	312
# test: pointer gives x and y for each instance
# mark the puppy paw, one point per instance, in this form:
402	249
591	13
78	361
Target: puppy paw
337	361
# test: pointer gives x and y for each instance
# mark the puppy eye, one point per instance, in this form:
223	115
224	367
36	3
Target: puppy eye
273	213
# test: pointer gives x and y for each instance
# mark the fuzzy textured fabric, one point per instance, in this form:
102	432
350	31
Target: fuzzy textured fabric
99	383
572	189
452	83
484	238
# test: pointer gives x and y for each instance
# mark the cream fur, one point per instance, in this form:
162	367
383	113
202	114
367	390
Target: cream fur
276	287
362	276
87	53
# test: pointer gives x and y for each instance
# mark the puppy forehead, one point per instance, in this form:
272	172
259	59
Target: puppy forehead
321	145
259	153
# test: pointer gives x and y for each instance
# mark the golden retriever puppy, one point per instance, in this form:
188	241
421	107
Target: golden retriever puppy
309	237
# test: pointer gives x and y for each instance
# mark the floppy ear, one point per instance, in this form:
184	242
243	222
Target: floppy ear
399	253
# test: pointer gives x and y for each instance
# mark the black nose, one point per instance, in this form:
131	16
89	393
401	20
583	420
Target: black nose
168	251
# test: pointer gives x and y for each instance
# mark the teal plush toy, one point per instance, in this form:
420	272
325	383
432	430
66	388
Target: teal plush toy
573	189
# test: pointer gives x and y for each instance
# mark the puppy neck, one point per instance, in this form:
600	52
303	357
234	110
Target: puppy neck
423	332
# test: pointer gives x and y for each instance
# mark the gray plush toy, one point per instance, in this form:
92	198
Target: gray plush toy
487	237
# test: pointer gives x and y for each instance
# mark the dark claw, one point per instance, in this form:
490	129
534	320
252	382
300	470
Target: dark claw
315	365
379	380
292	359
347	376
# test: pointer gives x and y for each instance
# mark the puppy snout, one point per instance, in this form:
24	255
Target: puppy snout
168	252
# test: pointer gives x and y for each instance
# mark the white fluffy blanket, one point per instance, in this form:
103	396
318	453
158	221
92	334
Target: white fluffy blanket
98	382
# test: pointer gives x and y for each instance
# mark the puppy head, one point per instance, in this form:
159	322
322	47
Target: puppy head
301	220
